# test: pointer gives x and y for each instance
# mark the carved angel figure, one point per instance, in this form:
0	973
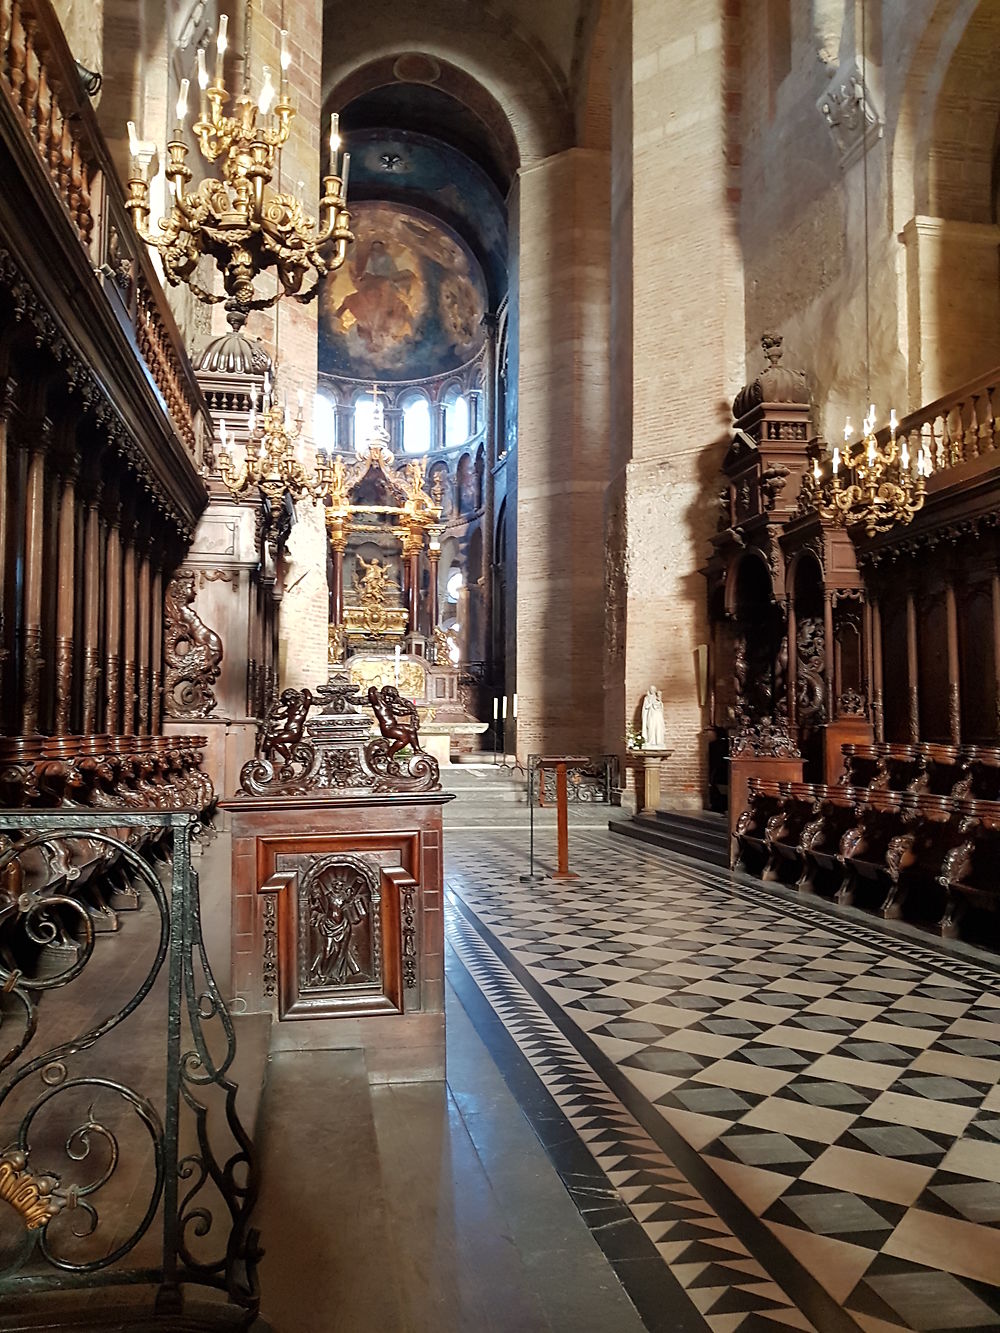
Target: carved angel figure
281	731
397	718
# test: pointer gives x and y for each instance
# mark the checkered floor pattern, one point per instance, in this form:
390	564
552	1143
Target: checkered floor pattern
840	1082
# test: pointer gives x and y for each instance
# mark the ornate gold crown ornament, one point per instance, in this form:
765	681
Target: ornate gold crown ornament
244	225
31	1196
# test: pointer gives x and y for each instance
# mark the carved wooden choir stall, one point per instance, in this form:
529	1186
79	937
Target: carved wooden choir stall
102	437
856	683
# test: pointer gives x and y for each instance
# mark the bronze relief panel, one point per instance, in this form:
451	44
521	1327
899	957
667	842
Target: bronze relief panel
339	942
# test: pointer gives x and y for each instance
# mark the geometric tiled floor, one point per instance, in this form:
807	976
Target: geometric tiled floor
801	1111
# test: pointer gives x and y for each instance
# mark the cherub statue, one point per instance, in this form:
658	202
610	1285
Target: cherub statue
282	728
397	718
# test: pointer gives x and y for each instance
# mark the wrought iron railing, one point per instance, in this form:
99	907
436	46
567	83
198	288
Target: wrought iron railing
126	1160
589	781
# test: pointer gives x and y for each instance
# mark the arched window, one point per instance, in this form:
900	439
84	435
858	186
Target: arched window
416	426
457	419
453	584
324	422
364	422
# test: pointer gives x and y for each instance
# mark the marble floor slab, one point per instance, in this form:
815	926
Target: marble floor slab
798	1109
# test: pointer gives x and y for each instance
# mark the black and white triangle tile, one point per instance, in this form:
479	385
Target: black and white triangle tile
728	1288
821	1067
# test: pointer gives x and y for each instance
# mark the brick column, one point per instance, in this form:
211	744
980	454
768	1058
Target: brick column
563	428
677	355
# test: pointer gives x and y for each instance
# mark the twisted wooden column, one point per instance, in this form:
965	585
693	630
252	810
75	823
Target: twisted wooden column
912	665
156	643
828	644
792	671
112	620
34	545
954	667
7	389
129	608
143	711
65	598
91	607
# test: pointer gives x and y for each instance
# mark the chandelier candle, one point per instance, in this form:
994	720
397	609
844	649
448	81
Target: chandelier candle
236	217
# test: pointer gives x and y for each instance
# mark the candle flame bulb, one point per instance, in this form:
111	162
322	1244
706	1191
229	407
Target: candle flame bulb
836	461
334	136
202	71
252	421
222	431
133	139
848	429
182	101
221	42
266	99
893	423
816	469
904	457
286	58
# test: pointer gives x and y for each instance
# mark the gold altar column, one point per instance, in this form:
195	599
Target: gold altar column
144	639
338	545
91	608
411	554
65	598
129	588
34	538
434	555
112	620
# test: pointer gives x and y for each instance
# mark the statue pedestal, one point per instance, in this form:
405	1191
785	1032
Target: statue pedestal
645	765
338	925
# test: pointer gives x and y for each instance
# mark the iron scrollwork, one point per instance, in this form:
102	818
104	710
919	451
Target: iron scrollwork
76	1229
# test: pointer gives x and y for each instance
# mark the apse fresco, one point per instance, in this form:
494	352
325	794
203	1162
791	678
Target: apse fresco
407	304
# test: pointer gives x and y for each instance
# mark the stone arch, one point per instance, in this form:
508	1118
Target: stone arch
915	122
943	173
489	67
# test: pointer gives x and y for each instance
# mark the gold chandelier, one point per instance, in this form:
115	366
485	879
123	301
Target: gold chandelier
270	464
873	483
883	485
235	218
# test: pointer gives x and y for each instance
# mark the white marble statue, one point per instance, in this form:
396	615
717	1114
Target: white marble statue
654	736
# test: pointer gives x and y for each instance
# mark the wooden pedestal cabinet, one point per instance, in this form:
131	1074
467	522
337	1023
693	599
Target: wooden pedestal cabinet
338	926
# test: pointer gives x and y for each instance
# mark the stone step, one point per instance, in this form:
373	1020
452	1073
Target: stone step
683	841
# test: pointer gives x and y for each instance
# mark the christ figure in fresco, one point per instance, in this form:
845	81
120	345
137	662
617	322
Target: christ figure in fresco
378	305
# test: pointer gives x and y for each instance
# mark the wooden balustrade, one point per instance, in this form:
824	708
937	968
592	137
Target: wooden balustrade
39	77
957	428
